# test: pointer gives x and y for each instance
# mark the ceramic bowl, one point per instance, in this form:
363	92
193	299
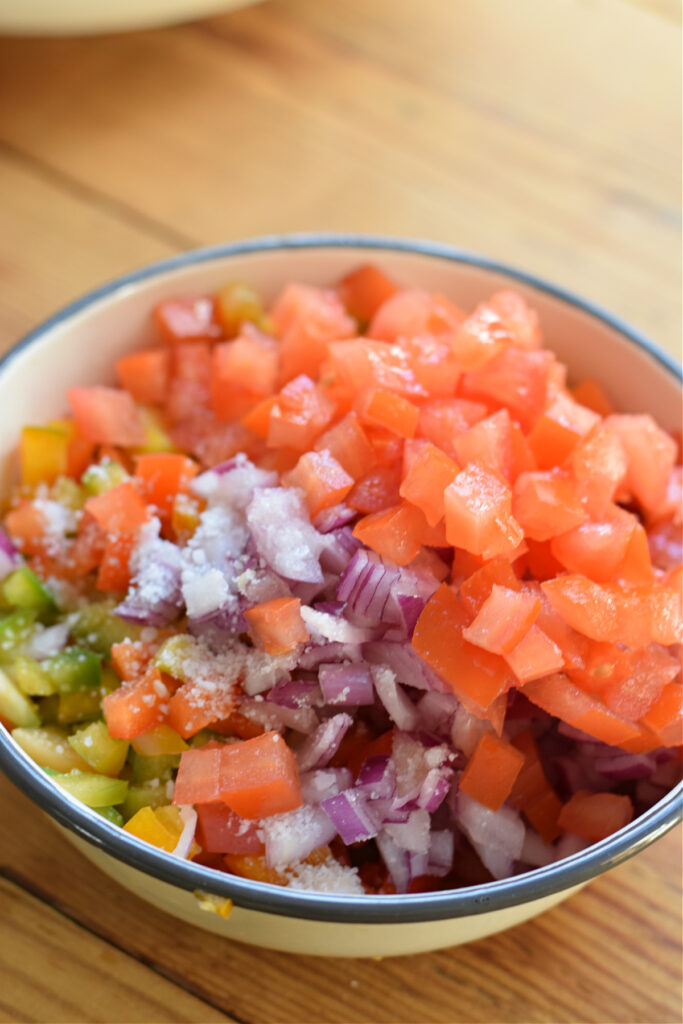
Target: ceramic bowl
90	17
79	345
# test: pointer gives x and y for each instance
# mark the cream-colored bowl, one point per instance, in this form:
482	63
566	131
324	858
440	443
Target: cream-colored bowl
79	345
91	17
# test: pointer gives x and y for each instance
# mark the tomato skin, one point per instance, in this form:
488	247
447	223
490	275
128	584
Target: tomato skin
491	771
220	830
182	320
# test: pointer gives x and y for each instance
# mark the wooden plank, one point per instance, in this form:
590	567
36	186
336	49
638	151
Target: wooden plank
289	116
618	941
54	970
56	244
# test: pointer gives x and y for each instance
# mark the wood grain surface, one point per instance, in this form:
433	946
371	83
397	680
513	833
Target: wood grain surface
541	132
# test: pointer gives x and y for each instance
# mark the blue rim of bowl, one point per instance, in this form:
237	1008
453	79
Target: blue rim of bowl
399	909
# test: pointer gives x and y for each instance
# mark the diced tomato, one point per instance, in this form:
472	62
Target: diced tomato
306	319
322	479
145	374
478	513
299	415
106	416
441	420
27	525
503	620
181	320
480	337
535	656
114	572
394	533
598	464
195	706
383	409
518	317
348	443
531	792
433	362
136	706
377	490
411	312
87	549
558	696
361	364
650	455
276	626
190	387
517	378
119	510
595	816
592	395
559	429
665	717
243	371
491	771
220	830
638	687
429	474
130	659
468	670
162	476
538	562
489	442
546	504
364	290
260	777
477	587
596	549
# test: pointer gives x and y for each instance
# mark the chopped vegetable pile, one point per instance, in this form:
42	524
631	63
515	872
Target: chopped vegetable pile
353	593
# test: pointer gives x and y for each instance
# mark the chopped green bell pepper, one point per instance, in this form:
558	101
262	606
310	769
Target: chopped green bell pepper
14	706
74	669
92	790
94	744
22	589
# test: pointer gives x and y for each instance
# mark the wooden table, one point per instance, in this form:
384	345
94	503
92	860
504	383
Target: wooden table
545	134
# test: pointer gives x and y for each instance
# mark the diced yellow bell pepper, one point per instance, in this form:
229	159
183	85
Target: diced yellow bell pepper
156	438
160	831
160	740
185	516
48	746
94	744
43	454
213	904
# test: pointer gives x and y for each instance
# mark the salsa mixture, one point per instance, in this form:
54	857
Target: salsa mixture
354	593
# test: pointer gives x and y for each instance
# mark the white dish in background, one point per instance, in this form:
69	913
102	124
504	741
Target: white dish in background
92	17
34	378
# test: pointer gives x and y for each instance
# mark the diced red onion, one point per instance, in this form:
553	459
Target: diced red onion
348	685
398	705
411	609
7	564
339	548
386	810
188	816
568	845
319	748
397	861
366	584
413	834
45	643
283	535
154	597
334	628
419	864
497	836
316	654
321	783
435	788
626	766
335	608
377	777
467	730
7	547
413	761
564	729
274	716
296	693
441	852
332	518
648	793
436	711
233	482
535	852
290	837
408	666
351	816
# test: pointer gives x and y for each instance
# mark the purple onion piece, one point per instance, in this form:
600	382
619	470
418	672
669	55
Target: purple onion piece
333	518
351	816
366	584
626	766
377	777
319	748
314	655
7	547
398	705
396	860
348	685
321	783
435	788
295	693
407	665
386	811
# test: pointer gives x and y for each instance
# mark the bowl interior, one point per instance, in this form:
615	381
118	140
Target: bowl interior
79	346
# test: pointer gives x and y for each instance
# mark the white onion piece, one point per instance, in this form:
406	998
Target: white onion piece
535	852
283	535
290	837
497	836
398	705
413	834
317	750
318	785
397	861
188	816
322	625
